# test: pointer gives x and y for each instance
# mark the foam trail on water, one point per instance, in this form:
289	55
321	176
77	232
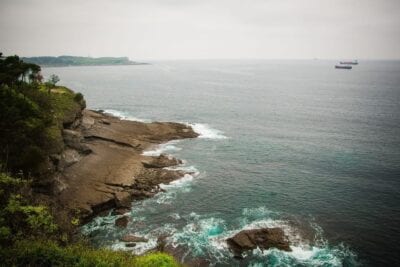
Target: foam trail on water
192	170
205	131
187	178
182	185
124	115
139	248
162	148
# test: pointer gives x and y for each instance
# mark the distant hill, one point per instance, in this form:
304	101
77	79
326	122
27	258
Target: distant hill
63	61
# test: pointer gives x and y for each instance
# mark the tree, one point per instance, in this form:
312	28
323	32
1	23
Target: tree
51	82
54	79
13	71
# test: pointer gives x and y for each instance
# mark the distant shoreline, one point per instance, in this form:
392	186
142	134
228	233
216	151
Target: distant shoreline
100	65
73	61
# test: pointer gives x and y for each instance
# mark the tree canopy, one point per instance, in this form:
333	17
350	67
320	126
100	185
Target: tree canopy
13	71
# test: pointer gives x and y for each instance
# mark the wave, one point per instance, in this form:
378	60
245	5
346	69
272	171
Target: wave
205	236
205	131
162	148
124	115
139	248
182	185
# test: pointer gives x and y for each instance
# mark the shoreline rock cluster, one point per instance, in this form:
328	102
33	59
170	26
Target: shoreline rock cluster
102	166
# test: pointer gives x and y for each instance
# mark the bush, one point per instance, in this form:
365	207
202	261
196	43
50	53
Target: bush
78	97
47	253
18	218
156	260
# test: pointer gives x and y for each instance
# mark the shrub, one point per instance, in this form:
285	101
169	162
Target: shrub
156	260
48	253
78	97
19	218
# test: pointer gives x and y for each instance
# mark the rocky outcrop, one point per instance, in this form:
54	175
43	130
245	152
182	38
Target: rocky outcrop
161	161
122	222
133	238
264	238
102	166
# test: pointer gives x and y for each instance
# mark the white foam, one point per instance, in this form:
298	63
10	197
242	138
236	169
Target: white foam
205	131
187	178
206	235
182	185
175	216
124	115
303	253
192	170
162	148
139	248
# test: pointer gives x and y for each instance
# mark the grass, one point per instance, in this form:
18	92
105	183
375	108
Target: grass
63	103
48	253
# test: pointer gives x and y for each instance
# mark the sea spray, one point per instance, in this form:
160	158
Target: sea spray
162	148
124	115
205	131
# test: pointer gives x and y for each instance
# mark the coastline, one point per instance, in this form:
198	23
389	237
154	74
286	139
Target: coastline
98	65
103	166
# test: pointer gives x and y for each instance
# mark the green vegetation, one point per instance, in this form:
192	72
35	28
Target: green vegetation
19	218
50	254
29	237
32	116
62	61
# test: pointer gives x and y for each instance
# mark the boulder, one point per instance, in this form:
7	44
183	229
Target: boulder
122	222
105	121
130	245
123	199
133	238
161	161
264	238
72	138
120	211
68	158
87	122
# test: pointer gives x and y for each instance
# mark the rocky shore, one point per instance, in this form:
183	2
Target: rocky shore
102	166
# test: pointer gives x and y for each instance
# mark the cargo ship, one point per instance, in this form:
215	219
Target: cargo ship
355	62
343	67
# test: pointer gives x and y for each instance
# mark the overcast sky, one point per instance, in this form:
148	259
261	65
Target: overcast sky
192	29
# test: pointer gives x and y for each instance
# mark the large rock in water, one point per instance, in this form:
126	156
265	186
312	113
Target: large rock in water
133	238
122	222
264	238
161	161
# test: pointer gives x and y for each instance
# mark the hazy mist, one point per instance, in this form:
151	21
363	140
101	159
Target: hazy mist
201	29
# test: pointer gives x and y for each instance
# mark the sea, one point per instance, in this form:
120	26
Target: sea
295	144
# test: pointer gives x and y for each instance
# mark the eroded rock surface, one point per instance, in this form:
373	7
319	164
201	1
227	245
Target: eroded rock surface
103	167
161	161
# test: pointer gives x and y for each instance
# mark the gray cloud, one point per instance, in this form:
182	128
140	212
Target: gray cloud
172	29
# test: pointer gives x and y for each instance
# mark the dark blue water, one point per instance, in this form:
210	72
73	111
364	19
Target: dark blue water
294	144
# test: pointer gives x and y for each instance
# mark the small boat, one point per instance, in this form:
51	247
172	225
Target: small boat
355	62
343	67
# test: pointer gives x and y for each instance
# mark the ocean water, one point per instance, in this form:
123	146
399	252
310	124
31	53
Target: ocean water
294	144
